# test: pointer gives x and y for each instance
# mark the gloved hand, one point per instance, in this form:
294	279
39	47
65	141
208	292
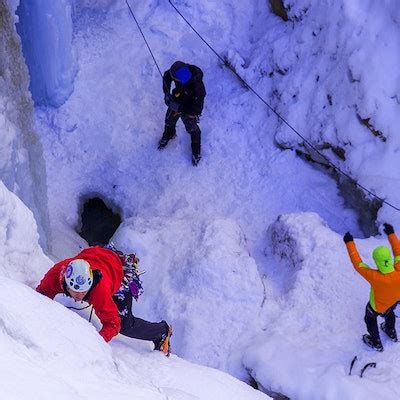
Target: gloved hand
388	229
167	99
174	106
347	237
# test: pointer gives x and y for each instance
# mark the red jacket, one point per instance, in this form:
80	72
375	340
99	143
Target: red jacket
100	296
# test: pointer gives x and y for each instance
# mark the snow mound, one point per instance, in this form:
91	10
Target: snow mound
21	257
49	352
201	278
41	341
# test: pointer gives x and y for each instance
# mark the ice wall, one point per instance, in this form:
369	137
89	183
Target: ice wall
22	166
45	27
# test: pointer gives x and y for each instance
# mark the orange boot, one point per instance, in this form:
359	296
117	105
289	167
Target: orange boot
166	343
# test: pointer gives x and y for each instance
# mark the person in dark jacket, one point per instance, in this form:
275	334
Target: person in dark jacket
103	277
186	102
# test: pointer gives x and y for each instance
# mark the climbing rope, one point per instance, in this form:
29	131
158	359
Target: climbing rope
249	87
330	163
78	309
148	46
83	308
144	38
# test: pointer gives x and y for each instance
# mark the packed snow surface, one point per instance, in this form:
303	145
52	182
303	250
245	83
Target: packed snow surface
243	254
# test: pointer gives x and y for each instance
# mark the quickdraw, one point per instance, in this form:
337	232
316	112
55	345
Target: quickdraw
131	281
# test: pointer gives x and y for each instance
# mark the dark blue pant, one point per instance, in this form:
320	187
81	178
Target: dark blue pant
371	320
190	122
135	327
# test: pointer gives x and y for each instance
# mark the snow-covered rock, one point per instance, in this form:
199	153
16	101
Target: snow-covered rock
21	257
332	72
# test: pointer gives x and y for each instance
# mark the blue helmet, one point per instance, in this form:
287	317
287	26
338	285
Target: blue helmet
180	72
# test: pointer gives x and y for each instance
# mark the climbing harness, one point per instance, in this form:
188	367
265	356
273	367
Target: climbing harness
131	281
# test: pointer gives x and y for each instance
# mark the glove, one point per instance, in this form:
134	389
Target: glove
167	99
388	229
174	106
347	237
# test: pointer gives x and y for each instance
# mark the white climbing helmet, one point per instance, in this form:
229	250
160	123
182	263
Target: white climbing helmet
78	276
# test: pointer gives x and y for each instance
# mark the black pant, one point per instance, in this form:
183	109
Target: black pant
190	122
135	327
371	320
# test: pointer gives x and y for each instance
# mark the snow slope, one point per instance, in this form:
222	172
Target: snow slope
103	141
49	352
209	288
294	321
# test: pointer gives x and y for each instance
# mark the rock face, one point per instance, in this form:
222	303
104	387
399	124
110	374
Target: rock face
279	9
22	166
339	91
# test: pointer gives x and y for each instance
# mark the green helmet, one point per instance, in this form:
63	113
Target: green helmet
383	259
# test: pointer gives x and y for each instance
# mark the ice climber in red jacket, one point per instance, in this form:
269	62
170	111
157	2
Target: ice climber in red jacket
103	278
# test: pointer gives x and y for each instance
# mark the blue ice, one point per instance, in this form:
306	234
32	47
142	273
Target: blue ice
45	28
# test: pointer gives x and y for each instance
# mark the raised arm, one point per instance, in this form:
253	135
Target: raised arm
394	242
362	268
352	250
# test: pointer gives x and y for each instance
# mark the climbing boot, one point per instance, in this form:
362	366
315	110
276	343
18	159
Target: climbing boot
164	344
391	333
374	343
196	159
162	144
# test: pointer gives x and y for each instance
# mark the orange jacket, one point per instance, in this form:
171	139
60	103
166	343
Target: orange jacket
385	288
